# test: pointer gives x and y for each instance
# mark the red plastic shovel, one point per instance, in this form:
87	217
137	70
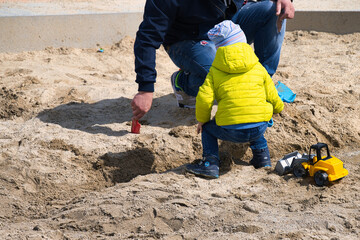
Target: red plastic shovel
135	126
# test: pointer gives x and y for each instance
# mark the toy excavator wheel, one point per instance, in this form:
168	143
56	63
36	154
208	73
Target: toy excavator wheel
300	171
321	178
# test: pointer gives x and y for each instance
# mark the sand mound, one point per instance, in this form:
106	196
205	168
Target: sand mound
70	169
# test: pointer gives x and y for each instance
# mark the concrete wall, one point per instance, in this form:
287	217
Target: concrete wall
339	22
86	30
82	31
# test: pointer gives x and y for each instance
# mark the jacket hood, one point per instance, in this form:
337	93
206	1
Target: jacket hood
235	58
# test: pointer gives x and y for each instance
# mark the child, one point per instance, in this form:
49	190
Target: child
246	97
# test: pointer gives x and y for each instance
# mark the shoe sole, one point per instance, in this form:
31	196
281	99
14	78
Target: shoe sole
202	175
260	166
185	106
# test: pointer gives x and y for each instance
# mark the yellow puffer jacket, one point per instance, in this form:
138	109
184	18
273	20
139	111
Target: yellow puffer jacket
243	89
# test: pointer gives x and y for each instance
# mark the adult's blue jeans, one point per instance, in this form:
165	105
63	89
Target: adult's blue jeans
212	132
257	20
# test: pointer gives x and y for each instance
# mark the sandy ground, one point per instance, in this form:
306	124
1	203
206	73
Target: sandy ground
55	7
70	169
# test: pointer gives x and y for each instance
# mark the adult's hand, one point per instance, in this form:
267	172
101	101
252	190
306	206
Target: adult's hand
285	10
141	104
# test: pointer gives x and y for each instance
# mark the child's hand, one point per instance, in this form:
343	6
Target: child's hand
199	127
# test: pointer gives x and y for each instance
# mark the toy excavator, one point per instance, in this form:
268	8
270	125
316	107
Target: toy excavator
324	169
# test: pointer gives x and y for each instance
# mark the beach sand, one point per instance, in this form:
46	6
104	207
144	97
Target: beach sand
71	169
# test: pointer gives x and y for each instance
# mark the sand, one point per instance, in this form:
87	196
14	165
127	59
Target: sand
70	168
58	7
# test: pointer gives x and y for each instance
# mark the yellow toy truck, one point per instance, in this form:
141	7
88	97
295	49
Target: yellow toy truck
324	168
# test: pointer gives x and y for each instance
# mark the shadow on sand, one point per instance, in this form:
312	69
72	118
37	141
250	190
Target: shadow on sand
95	117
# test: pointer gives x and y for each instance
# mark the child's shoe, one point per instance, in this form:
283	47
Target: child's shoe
261	158
208	167
184	100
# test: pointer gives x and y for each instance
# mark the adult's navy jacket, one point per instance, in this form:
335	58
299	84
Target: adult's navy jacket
169	21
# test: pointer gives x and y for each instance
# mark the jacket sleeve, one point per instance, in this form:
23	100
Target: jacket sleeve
272	95
158	16
205	99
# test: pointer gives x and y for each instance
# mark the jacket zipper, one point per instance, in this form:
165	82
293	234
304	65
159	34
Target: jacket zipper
224	14
219	9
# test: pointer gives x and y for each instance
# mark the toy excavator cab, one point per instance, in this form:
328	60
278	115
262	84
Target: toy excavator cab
322	166
318	150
